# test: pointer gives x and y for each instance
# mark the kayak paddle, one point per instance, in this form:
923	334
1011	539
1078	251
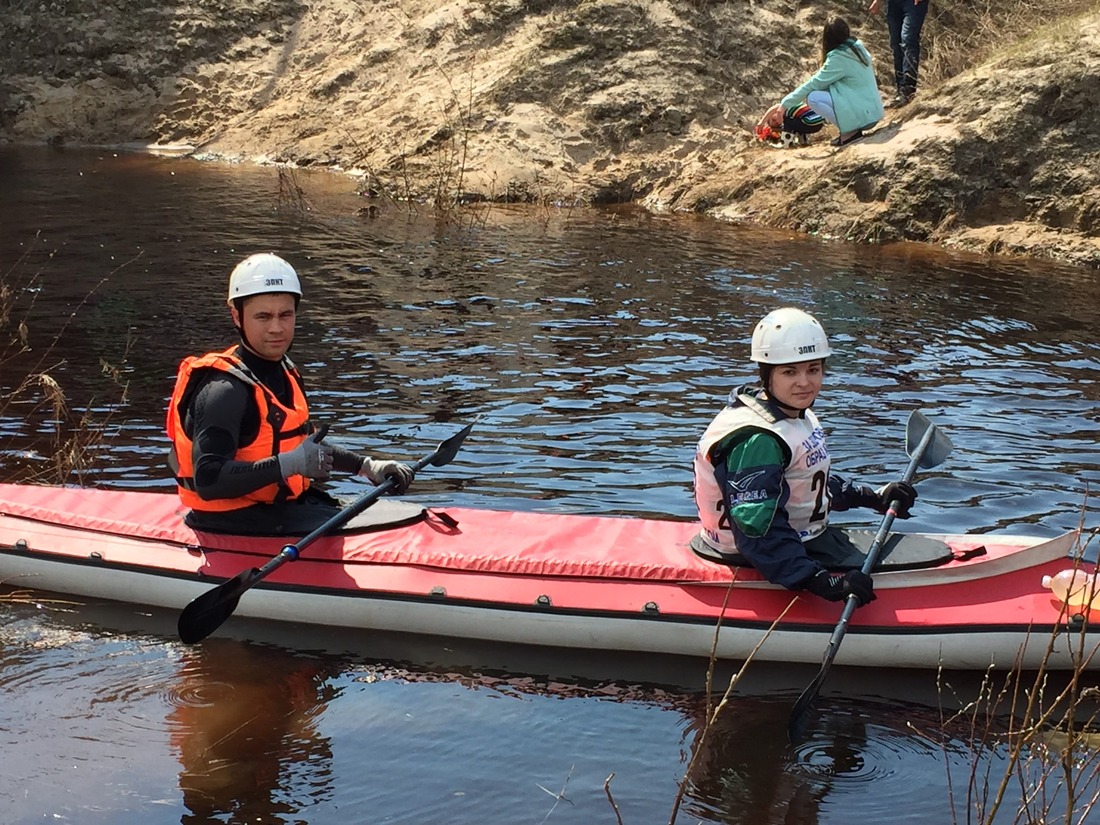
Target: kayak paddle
207	612
932	447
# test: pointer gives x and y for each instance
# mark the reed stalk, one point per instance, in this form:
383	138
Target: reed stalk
64	438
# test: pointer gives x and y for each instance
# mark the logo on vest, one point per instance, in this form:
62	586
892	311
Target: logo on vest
741	489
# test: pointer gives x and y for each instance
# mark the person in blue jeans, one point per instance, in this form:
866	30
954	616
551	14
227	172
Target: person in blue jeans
904	19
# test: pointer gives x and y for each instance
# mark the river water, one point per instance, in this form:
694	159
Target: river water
595	347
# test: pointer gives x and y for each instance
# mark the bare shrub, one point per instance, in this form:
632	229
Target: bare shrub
68	437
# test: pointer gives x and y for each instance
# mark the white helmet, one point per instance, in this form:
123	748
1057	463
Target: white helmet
787	336
260	274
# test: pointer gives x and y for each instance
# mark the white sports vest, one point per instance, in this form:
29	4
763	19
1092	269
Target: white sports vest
807	473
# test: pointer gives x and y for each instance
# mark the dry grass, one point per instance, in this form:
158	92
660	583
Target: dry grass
65	439
1048	768
716	710
961	34
68	439
290	194
712	710
37	599
1031	736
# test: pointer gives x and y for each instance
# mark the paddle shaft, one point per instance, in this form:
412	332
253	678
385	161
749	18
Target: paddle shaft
292	551
873	551
207	612
800	713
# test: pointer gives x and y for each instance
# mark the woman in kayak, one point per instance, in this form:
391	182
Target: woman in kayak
762	479
244	450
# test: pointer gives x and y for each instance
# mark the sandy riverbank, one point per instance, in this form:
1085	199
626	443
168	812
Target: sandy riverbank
645	100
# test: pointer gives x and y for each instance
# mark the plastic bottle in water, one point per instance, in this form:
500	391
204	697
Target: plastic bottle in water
1075	587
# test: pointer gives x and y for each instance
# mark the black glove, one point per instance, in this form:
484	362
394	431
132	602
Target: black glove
837	587
903	491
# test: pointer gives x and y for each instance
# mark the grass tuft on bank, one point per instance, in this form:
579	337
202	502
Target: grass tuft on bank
45	436
962	34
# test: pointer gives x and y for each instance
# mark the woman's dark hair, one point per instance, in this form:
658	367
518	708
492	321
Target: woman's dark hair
835	35
765	374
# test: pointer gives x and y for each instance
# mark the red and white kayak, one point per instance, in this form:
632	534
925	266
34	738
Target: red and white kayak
568	581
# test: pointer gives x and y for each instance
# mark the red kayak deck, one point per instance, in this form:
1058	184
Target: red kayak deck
484	541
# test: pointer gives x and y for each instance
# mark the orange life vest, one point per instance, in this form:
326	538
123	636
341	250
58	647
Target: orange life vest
281	429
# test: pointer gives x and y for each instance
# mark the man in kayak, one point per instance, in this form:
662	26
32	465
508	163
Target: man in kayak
762	479
244	450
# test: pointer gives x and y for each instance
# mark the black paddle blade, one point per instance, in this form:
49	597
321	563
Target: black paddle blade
804	709
206	613
447	450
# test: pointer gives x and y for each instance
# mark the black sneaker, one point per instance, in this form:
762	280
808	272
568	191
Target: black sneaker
899	100
844	140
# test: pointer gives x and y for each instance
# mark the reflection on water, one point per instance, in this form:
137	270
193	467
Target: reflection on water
747	774
596	346
137	728
243	721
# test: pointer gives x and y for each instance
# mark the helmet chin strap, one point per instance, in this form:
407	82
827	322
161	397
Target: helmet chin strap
243	337
788	407
246	344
